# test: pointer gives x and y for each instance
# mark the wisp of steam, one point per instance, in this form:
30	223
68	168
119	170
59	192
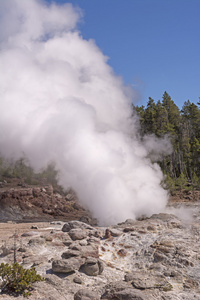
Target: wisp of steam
60	101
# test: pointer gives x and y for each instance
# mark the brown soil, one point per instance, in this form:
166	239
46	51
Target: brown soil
183	196
7	230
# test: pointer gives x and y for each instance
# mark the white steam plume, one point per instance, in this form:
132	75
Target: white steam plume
60	101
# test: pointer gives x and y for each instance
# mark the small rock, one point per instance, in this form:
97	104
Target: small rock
128	277
70	253
122	252
83	243
31	233
85	219
151	228
129	229
5	251
69	197
115	232
34	227
129	221
37	241
77	280
57	196
108	234
22	249
158	256
56	223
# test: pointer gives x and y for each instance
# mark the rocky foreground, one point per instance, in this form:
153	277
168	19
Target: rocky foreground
151	258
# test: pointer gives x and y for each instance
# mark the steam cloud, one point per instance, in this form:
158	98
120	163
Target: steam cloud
60	101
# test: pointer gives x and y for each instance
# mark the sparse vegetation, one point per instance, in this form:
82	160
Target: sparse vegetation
17	280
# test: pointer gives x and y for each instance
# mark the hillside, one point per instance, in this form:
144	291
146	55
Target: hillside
30	203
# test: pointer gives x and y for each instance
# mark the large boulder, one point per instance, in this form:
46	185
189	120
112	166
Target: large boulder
92	266
76	225
77	234
66	265
91	250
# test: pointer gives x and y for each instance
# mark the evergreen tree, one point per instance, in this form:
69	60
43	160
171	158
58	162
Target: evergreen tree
183	128
150	117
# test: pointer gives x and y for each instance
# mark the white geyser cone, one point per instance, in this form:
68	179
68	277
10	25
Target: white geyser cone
60	101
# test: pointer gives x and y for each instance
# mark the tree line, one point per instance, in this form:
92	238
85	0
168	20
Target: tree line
182	126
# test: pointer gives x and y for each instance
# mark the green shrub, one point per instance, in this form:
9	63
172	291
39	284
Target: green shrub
169	183
18	280
181	181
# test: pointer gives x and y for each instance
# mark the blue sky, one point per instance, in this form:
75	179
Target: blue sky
154	45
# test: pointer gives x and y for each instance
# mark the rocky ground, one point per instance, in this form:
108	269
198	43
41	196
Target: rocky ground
20	202
151	258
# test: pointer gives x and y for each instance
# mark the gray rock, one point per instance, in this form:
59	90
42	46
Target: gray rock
130	221
86	294
92	266
37	241
70	253
129	229
77	234
76	225
83	242
34	227
22	249
150	282
91	250
30	233
85	219
45	291
129	277
5	251
164	217
77	280
114	287
121	290
66	265
101	266
115	232
131	294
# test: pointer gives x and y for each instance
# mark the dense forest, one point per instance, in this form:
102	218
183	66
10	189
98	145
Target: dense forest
161	118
